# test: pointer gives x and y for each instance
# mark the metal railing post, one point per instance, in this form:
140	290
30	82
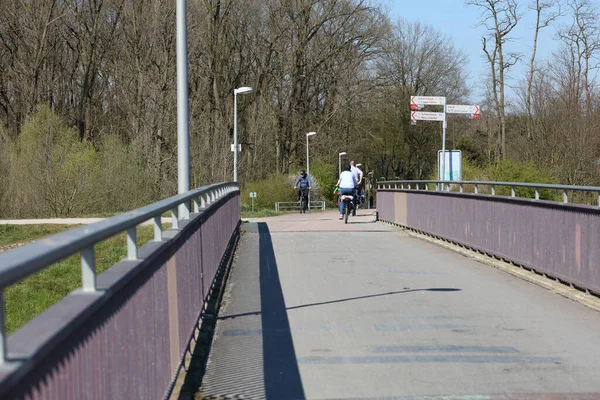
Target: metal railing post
157	229
512	191
460	188
88	269
537	193
196	205
476	187
565	196
493	190
132	243
175	218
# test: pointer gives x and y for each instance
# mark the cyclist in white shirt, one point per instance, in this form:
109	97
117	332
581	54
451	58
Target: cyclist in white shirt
358	174
347	184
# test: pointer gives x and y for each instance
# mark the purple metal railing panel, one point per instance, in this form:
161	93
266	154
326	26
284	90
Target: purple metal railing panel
385	206
189	286
216	232
560	240
125	343
119	353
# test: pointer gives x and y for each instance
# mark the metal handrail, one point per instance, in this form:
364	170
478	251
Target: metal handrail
410	185
27	260
296	205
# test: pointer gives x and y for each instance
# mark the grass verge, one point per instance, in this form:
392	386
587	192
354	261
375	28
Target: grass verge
31	296
12	235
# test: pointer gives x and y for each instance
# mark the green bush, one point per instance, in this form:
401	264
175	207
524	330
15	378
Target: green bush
52	173
126	181
324	177
273	189
518	171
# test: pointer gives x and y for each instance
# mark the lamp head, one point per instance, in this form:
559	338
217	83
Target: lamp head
242	90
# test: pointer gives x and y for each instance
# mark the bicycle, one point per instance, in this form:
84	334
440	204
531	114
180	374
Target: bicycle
303	200
348	204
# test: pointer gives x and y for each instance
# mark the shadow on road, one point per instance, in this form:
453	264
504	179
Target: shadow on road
407	290
281	373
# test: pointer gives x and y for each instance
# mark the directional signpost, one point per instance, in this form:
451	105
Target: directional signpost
427	116
418	102
431	116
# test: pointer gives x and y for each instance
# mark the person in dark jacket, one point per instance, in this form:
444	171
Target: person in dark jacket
303	184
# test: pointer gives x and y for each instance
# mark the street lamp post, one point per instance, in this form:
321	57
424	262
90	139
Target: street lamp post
340	162
235	149
307	161
183	130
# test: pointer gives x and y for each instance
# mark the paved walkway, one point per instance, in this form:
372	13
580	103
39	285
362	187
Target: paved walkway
321	310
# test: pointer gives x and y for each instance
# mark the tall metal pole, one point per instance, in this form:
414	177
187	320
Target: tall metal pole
444	146
339	164
235	142
307	162
183	129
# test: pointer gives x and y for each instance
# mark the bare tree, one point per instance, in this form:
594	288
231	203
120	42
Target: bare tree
499	17
545	15
583	39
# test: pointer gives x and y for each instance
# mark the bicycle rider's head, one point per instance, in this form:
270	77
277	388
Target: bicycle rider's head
347	167
303	172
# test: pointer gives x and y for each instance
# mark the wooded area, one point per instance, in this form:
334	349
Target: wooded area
88	116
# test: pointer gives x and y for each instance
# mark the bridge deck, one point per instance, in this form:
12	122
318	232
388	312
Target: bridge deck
316	309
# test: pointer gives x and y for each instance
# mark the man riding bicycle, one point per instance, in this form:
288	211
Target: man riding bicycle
358	174
303	184
347	184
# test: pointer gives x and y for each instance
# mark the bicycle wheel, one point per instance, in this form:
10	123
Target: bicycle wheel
301	204
346	213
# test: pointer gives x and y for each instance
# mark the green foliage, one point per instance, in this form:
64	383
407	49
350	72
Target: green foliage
520	171
509	171
324	177
275	188
53	173
125	181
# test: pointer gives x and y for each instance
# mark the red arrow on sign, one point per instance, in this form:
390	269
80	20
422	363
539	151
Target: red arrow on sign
414	107
476	110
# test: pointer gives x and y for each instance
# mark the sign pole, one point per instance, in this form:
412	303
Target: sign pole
444	147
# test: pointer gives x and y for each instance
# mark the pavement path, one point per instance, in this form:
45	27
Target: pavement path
318	309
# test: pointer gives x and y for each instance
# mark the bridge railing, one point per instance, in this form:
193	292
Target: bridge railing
558	239
295	205
476	186
123	333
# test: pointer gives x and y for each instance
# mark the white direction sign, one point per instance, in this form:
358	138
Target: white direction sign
462	109
428	100
427	116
